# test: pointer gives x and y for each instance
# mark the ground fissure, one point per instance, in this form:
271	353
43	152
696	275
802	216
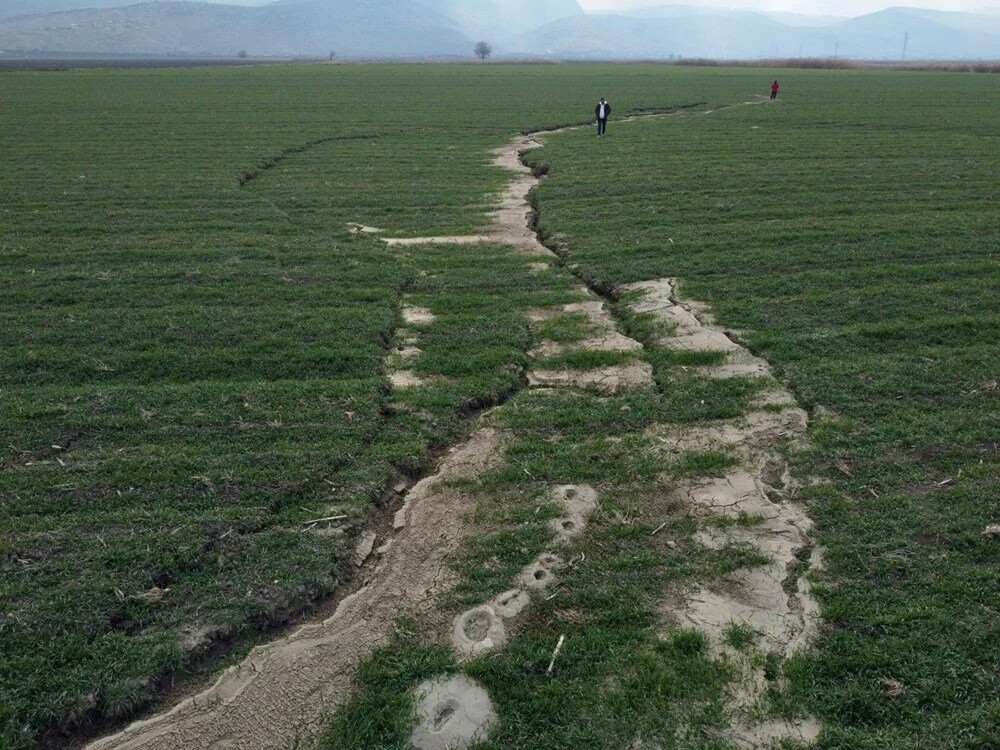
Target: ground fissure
282	690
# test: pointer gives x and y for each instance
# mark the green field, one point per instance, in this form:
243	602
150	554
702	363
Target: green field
194	367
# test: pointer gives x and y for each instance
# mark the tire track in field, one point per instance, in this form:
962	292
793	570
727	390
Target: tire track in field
284	691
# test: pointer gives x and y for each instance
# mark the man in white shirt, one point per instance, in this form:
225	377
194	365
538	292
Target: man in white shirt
601	112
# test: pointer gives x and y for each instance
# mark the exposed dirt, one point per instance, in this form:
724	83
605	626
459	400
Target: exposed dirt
287	688
477	631
407	352
364	547
604	337
417	316
354	228
772	733
606	380
773	600
458	239
400	357
691	328
405	379
579	501
453	714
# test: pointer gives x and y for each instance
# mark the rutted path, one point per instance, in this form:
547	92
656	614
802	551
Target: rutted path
285	690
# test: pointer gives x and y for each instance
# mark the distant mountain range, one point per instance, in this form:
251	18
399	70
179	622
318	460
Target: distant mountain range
684	31
449	28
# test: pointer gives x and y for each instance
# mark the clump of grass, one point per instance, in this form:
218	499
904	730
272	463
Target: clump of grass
567	328
688	642
583	359
704	463
741	637
744	519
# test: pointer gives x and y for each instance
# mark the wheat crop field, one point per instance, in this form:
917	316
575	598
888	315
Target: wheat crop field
216	393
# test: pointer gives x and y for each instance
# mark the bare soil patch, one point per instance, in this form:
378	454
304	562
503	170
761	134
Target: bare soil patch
756	498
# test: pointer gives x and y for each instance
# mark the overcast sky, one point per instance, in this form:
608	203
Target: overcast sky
813	7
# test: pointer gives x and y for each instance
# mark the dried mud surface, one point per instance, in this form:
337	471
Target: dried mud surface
603	336
756	497
453	713
285	689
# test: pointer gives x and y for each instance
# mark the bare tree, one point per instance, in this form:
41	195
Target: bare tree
483	50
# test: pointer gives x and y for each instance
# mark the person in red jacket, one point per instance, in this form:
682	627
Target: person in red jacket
601	112
774	90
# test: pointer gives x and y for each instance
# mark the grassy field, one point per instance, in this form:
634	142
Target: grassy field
193	347
853	231
194	367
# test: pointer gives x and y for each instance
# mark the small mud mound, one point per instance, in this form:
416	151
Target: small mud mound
511	603
579	502
454	713
477	631
541	573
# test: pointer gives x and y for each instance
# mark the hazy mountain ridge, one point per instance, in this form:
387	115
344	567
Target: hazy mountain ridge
684	31
503	17
388	28
13	8
434	28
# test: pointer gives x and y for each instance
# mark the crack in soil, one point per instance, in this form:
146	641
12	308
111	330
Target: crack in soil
286	689
273	161
774	600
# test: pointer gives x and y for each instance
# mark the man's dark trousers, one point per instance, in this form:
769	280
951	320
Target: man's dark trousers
602	125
